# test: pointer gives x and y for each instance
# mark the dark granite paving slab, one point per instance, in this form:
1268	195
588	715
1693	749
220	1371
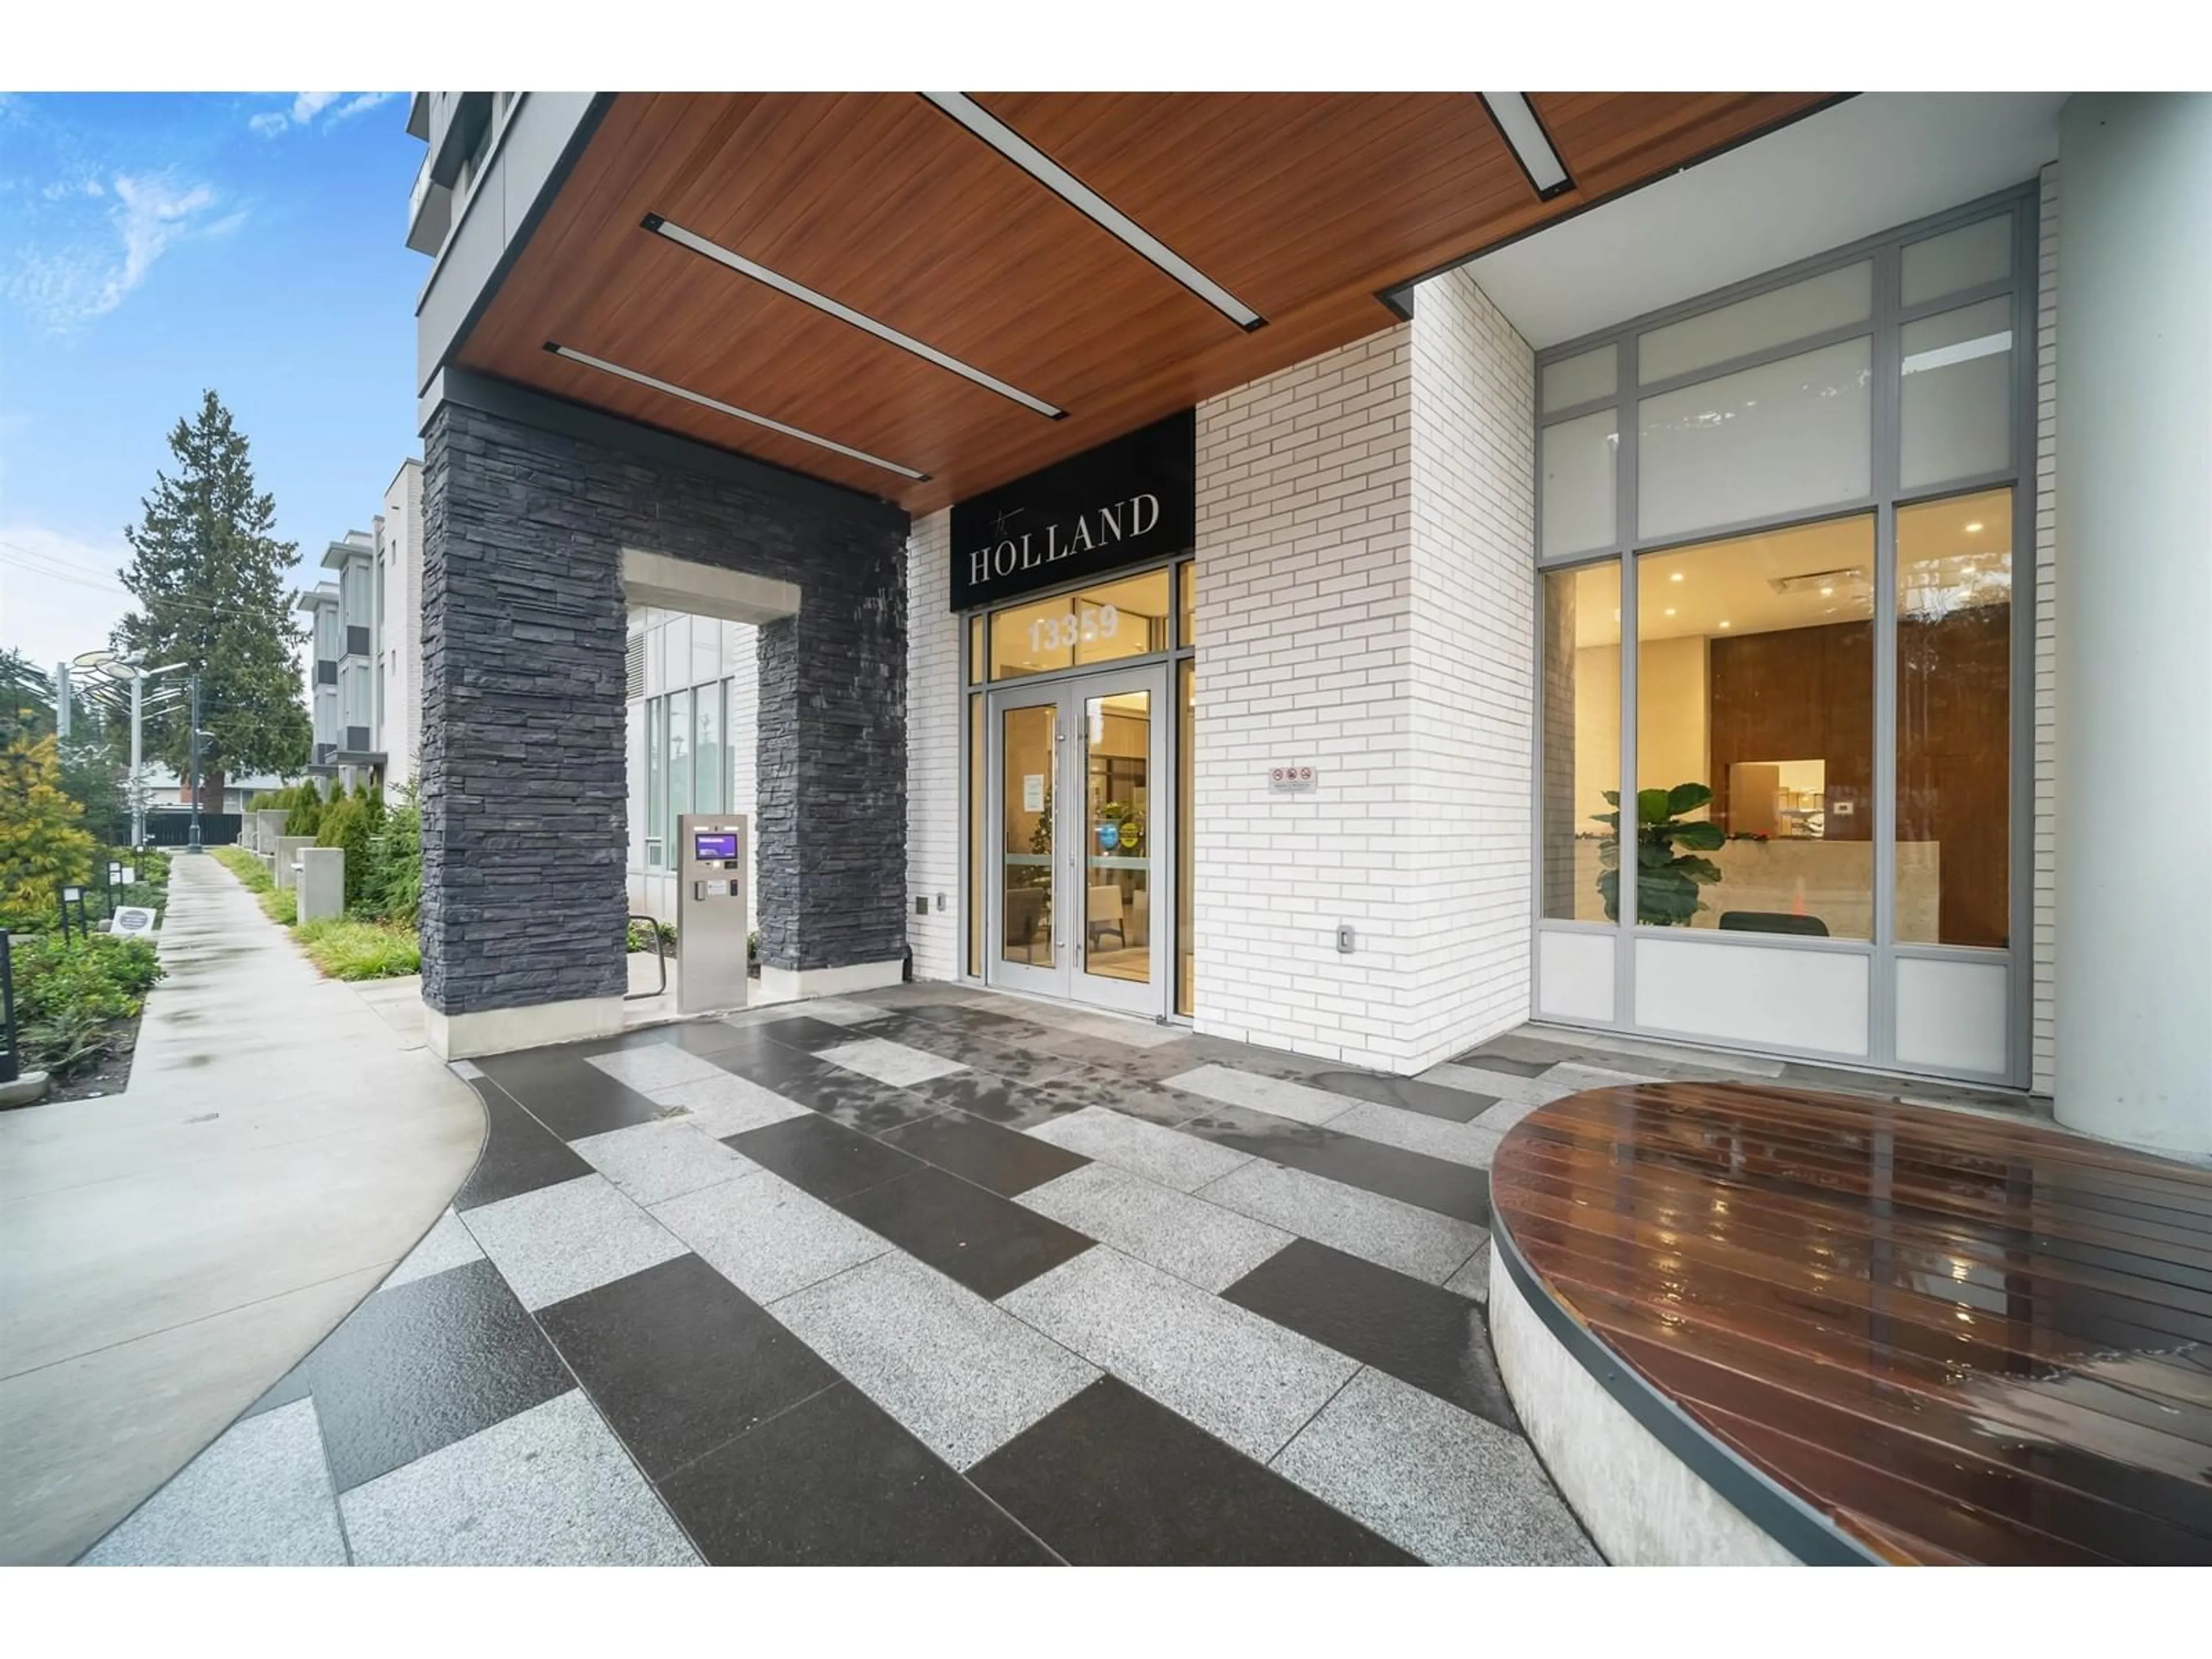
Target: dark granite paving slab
824	1158
859	1101
983	1153
993	1098
1110	1478
1516	1061
1419	1332
421	1365
989	1243
569	1097
812	1036
520	1154
1431	1183
1430	1099
679	1360
834	1482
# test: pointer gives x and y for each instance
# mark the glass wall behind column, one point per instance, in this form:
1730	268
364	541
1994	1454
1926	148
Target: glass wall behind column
1582	736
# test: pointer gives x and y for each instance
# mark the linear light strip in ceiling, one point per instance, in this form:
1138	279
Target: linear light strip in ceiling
1084	200
732	409
1525	133
844	313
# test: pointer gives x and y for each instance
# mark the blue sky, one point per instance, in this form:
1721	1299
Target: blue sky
151	245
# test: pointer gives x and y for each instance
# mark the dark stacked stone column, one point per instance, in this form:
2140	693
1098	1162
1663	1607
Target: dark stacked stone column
523	763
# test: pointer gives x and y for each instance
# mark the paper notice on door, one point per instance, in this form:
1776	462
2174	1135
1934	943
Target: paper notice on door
1032	792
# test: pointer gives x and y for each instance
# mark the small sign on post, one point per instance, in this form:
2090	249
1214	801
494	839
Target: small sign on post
133	919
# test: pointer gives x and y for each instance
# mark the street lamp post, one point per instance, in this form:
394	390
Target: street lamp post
136	675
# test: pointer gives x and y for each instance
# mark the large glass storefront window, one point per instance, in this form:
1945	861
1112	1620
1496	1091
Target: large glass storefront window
1582	735
1755	732
1806	496
1953	720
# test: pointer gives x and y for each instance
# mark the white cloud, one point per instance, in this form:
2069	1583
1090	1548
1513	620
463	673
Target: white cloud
77	279
360	104
307	107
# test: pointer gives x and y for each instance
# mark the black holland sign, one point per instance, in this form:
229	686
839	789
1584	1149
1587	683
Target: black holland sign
1123	503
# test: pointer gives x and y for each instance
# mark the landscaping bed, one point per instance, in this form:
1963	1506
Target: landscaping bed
376	937
79	998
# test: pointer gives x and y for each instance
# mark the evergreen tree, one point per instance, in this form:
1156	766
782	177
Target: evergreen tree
43	841
90	773
208	575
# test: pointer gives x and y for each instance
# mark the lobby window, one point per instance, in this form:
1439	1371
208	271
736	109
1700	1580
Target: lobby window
1954	717
1804	493
656	781
1755	715
1101	623
1581	734
679	756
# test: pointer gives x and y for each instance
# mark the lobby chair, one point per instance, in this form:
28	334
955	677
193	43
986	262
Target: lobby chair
1102	916
1771	921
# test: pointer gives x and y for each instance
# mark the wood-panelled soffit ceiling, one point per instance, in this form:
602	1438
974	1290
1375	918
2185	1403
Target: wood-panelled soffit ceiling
949	291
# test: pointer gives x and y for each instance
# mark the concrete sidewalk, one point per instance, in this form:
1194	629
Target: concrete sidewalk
167	1253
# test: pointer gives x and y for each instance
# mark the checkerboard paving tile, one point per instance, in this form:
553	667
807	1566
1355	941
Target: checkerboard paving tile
1158	1154
767	1236
961	1375
1383	1230
1033	1286
550	1488
260	1495
728	1105
651	1068
651	1161
894	1063
1242	1378
558	1240
1294	1101
447	1244
1471	1143
1450	1486
1210	1246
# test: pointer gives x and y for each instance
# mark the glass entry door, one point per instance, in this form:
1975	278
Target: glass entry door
1076	834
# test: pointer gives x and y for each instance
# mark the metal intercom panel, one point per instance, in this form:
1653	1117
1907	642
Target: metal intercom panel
711	908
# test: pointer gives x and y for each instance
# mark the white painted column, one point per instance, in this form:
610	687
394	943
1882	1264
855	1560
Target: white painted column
2134	645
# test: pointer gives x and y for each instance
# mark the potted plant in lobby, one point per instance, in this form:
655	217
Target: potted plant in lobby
1668	871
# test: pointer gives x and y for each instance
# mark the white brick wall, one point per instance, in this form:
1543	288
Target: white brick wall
1364	592
2044	1060
933	749
1474	514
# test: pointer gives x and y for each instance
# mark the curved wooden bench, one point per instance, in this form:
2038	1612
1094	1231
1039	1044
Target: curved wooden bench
1839	1330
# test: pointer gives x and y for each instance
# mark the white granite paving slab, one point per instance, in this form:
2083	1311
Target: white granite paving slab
1243	1378
840	1011
549	1487
1299	1102
767	1236
447	1244
259	1496
1473	1280
650	1161
653	1066
562	1240
1357	1222
1471	1143
961	1375
1452	1487
1159	1154
1210	1246
728	1105
886	1061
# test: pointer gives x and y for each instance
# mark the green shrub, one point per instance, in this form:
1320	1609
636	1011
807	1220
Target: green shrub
639	939
351	822
70	995
392	887
345	948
